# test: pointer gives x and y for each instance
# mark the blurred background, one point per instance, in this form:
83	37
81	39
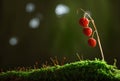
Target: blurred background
35	30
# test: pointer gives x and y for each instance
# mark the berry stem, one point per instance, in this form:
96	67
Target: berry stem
93	33
98	38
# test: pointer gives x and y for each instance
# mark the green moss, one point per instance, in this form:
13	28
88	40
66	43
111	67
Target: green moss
86	70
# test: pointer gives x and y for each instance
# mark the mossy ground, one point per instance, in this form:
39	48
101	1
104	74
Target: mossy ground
86	70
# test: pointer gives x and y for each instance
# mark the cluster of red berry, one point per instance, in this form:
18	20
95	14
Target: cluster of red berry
84	22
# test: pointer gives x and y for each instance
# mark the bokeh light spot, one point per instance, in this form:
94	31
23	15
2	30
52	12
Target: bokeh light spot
13	41
61	9
34	23
30	7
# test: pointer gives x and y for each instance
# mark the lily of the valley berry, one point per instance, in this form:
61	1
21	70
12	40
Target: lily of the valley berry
84	22
88	31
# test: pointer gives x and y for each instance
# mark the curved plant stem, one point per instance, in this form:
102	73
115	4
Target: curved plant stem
93	33
98	38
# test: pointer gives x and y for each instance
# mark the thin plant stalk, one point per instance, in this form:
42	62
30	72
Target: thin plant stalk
98	38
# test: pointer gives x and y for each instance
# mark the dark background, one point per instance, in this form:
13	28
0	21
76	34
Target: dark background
59	36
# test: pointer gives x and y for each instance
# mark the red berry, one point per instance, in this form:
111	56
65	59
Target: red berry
84	22
87	31
92	42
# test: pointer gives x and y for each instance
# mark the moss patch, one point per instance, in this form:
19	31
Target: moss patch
86	70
